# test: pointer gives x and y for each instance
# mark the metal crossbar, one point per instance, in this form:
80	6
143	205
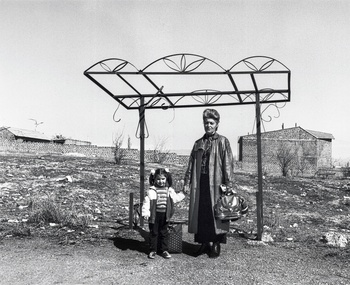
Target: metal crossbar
188	80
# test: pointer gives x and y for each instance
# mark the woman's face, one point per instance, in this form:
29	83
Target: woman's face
210	126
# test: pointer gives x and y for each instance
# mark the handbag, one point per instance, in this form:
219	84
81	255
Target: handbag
229	205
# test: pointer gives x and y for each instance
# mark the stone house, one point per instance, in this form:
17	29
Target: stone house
21	135
294	150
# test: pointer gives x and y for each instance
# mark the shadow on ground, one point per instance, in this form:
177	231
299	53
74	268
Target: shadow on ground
125	243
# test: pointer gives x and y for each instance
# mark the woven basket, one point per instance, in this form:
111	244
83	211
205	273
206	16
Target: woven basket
175	239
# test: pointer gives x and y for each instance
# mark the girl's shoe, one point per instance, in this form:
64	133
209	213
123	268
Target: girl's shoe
152	255
166	255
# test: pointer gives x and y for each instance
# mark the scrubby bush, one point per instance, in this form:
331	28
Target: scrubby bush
160	152
119	152
48	211
346	171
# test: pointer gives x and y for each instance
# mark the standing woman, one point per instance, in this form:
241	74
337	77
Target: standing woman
210	164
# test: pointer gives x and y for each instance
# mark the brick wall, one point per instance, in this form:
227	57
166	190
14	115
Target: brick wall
325	153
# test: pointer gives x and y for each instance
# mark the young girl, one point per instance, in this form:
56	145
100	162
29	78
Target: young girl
158	208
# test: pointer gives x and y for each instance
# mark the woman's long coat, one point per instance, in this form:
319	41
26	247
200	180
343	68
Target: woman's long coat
220	172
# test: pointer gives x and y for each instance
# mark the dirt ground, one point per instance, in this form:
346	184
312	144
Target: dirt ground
298	212
124	261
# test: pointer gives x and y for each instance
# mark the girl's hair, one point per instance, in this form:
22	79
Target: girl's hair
212	114
161	171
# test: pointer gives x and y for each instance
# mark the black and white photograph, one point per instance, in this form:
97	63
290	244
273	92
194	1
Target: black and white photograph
174	142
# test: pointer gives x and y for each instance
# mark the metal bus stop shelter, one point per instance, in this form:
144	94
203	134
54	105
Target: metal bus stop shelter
189	81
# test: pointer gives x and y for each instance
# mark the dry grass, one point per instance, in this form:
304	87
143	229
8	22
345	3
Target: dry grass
49	211
96	197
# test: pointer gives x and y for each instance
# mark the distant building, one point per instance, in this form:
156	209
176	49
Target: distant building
14	134
308	151
76	142
21	135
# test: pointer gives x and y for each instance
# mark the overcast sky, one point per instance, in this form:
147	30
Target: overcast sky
46	46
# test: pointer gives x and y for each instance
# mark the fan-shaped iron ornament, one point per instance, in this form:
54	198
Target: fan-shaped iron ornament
189	80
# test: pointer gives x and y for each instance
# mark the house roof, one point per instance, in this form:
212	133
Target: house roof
29	134
316	134
321	135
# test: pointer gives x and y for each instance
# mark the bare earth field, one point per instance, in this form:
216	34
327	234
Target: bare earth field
64	220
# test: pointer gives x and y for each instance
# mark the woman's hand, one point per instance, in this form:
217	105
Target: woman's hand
186	189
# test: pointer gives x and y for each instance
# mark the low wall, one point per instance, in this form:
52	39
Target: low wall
86	150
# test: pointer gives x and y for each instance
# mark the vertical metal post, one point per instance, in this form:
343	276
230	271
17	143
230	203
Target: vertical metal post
259	197
142	153
131	210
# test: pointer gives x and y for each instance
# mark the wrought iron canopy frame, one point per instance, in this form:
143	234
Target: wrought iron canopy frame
189	80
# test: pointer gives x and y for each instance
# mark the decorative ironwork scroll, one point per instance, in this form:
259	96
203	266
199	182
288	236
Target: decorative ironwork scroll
189	80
